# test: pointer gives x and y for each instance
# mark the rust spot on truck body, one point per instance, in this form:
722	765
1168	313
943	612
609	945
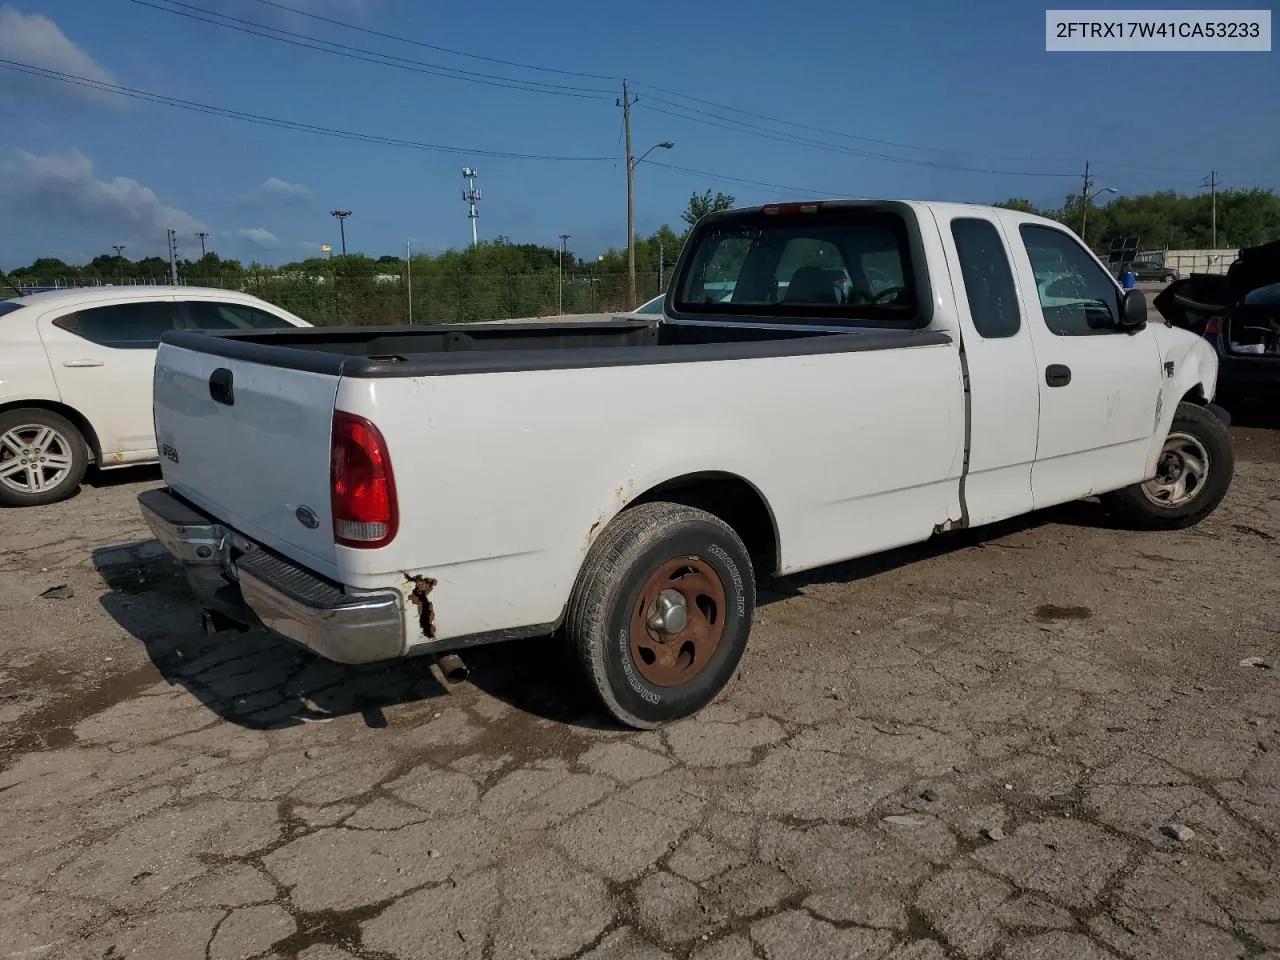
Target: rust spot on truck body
419	594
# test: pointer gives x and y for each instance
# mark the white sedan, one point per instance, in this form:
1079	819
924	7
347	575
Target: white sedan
76	372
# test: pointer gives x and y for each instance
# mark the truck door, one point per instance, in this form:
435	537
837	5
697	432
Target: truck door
1099	386
1003	399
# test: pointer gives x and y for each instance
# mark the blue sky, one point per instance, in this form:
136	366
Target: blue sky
80	169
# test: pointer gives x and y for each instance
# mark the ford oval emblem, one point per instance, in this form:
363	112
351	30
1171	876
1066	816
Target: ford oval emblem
307	517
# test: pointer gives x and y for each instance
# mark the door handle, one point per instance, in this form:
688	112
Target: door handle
1057	375
222	386
82	363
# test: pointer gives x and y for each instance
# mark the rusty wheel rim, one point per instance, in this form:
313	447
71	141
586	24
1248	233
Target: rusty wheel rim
668	648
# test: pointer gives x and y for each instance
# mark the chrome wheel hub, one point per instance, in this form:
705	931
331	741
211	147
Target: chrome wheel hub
1181	472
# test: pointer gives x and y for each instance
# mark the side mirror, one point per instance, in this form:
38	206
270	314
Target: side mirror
1133	311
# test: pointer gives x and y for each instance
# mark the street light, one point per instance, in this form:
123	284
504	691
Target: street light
342	228
1084	208
631	216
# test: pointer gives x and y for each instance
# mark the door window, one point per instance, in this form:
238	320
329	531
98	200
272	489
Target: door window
212	315
122	326
1077	297
988	280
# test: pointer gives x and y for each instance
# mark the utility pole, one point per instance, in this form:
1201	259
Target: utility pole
471	195
408	267
564	241
342	226
173	255
203	235
1213	200
631	202
1087	198
1084	202
662	265
118	248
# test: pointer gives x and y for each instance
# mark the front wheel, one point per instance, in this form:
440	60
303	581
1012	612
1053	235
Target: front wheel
43	457
1193	473
661	612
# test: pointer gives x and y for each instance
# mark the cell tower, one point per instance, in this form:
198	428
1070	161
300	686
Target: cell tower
472	196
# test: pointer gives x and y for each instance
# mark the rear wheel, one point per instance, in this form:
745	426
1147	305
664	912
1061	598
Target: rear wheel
43	457
1193	474
661	612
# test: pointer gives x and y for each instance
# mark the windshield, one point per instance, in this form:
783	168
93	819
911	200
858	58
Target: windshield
836	264
8	306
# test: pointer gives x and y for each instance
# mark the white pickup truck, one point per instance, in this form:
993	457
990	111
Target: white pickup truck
374	493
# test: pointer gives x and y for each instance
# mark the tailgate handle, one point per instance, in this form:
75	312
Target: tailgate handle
221	386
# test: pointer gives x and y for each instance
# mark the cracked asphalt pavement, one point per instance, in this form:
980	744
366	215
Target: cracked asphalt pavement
1043	741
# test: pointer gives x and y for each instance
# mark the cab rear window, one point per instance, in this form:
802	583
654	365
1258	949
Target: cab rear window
829	264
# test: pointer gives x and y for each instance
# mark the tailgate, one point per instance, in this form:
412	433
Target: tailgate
256	455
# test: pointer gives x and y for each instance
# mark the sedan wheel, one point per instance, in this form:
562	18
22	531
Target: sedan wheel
42	458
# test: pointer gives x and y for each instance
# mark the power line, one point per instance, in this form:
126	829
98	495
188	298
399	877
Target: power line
756	131
197	107
836	133
431	46
596	93
724	178
873	140
306	42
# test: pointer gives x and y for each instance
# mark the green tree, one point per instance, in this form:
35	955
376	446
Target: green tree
1018	203
702	204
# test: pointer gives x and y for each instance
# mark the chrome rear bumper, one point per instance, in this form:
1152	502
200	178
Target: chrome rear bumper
241	580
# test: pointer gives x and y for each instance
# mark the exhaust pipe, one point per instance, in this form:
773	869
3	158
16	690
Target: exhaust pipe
452	667
211	621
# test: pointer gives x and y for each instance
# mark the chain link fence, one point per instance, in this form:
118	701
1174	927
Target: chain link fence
437	298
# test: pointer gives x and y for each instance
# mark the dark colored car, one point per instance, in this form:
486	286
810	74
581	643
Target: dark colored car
1239	314
1145	270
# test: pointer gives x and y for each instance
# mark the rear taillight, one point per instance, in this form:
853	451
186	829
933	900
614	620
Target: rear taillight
361	486
1214	326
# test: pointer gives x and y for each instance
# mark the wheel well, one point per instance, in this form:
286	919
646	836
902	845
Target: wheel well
1195	395
734	501
75	416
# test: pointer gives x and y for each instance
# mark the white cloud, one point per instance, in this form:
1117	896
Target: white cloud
289	192
260	237
61	192
36	41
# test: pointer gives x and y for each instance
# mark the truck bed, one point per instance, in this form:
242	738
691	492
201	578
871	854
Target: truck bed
475	348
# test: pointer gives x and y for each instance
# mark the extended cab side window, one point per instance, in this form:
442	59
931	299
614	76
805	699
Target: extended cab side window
212	315
1077	297
122	326
988	279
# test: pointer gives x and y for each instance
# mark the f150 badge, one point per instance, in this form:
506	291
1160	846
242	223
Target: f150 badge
170	453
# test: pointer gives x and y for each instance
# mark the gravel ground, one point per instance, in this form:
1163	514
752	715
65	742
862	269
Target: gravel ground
1036	741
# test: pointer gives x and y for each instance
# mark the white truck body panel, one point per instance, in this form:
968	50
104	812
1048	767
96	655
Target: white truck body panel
509	494
505	478
279	417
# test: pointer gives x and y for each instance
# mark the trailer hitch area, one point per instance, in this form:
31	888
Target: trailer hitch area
419	593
